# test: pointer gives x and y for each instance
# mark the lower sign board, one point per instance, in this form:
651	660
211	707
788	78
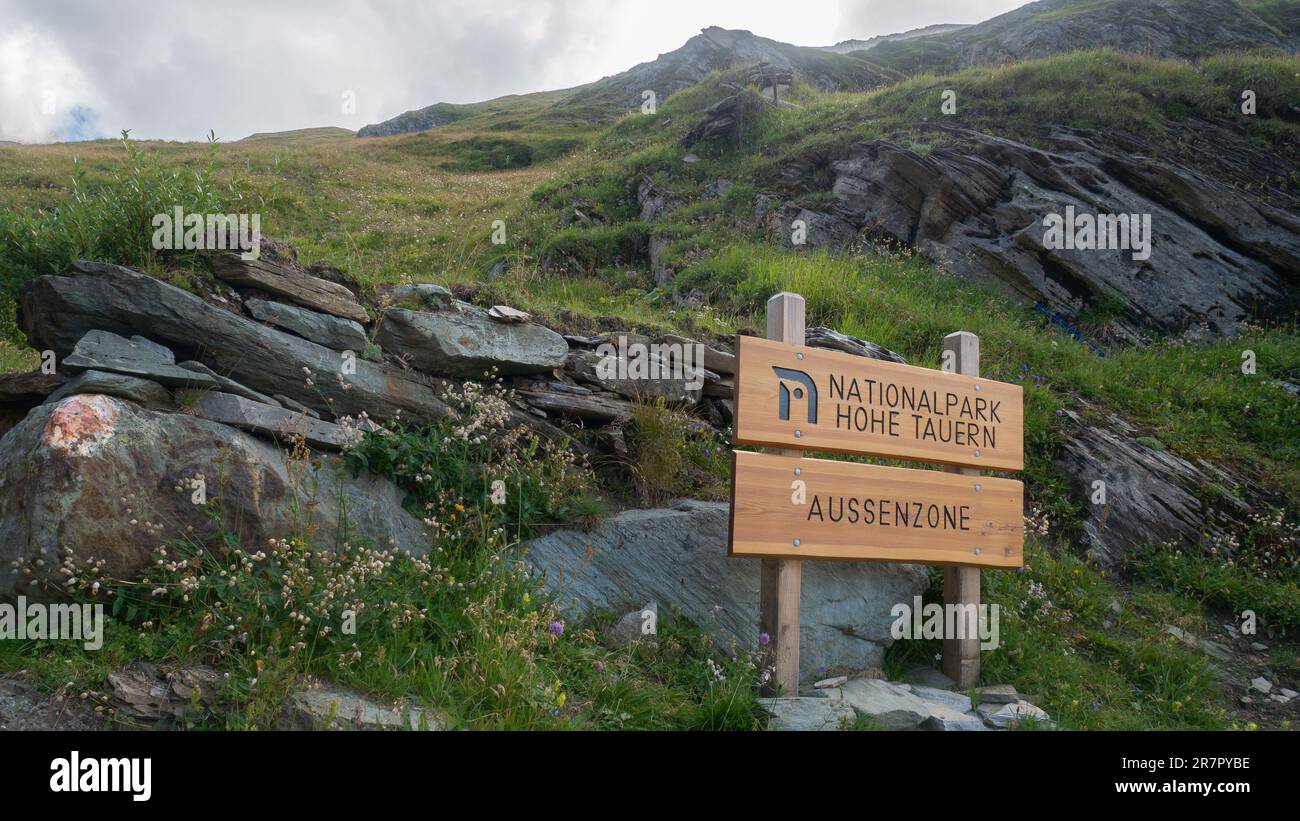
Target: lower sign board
791	507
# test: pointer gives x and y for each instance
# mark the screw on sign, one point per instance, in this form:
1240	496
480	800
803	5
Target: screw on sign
786	508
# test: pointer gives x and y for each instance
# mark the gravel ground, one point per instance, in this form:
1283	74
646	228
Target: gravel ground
23	707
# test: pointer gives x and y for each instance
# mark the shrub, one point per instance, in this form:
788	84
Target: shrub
110	222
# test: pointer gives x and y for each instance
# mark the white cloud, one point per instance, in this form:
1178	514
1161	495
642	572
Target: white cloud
174	70
43	94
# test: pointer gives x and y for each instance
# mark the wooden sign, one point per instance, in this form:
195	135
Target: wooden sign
791	507
790	396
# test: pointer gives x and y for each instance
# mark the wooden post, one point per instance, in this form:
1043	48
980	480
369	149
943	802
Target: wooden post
781	579
961	585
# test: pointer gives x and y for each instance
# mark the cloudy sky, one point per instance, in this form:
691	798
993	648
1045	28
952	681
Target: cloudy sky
78	69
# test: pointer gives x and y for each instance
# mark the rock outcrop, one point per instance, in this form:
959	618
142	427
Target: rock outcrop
977	204
1151	496
678	558
57	311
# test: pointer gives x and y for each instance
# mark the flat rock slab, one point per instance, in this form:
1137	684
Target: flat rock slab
327	707
678	557
1012	716
426	294
323	329
806	714
928	677
104	351
933	695
665	382
947	720
228	385
592	408
463	341
149	693
890	706
270	420
144	391
28	388
283	281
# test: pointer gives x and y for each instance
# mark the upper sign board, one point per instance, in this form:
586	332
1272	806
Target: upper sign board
795	397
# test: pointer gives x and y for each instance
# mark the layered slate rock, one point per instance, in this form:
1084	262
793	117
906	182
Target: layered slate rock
805	714
143	391
228	385
56	311
425	294
977	203
887	705
678	558
98	475
271	420
289	283
323	329
328	707
1152	496
104	351
463	341
666	380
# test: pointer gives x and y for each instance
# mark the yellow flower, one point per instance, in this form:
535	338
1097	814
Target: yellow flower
460	507
559	702
1252	726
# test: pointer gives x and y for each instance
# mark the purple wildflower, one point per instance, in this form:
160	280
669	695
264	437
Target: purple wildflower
556	628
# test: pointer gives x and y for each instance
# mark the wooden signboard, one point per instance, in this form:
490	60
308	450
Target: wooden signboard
796	508
789	396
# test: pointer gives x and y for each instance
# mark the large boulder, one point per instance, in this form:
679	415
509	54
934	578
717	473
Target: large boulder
57	311
464	341
678	558
98	475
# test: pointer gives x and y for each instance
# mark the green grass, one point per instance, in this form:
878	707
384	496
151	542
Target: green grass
1061	639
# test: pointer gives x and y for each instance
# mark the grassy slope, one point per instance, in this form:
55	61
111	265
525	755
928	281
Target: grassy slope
389	209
